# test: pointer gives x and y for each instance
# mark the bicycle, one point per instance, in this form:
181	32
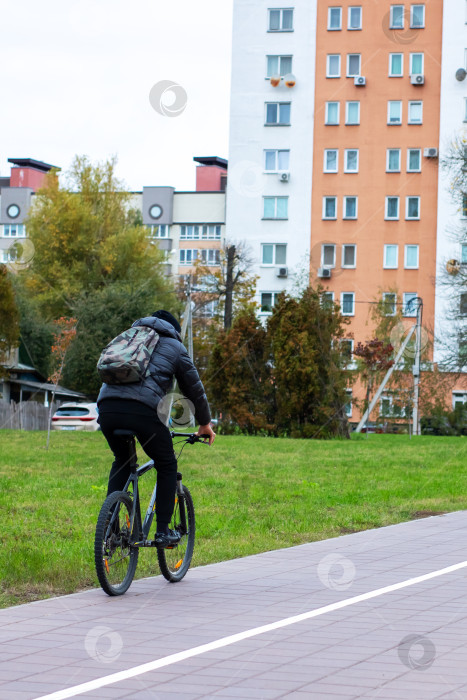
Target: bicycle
120	533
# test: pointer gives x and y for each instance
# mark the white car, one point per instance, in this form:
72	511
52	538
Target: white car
76	416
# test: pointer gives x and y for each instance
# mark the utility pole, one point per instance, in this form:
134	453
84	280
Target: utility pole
416	368
230	255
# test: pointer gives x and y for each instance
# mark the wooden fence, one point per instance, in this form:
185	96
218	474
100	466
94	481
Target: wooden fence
28	415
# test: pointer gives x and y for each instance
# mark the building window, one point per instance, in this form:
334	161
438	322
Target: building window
351	160
328	255
275	207
416	64
411	257
415	113
354	18
275	160
348	405
353	64
389	303
396	65
352	112
390	257
332	113
331	160
414	160
459	398
329	207
273	253
349	255
410	304
333	65
210	256
281	20
327	299
346	348
347	303
417	16
350	207
393	160
464	206
463	304
278	113
396	18
14	231
392	208
187	256
464	253
395	112
268	301
194	232
279	65
412	208
334	18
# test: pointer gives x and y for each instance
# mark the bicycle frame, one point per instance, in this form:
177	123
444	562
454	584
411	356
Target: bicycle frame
136	472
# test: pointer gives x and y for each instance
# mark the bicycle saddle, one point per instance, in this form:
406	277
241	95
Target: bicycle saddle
124	433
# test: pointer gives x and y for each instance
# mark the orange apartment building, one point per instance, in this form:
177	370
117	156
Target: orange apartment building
359	100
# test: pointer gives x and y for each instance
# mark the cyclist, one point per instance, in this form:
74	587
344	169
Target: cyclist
134	407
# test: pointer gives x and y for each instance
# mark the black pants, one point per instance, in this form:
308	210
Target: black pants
154	438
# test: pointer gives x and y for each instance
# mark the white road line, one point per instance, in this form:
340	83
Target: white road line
234	638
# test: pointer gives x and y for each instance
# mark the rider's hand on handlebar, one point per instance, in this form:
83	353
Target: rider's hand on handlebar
207	432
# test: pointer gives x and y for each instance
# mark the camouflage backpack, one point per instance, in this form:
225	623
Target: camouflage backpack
126	358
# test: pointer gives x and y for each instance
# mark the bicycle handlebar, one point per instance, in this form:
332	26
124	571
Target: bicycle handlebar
189	437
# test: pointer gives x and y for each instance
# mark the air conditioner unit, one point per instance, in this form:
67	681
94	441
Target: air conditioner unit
284	175
430	152
324	272
281	272
417	79
359	80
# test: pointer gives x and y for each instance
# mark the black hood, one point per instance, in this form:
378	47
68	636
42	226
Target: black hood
160	326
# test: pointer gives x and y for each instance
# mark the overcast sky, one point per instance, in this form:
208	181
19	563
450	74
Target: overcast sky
76	78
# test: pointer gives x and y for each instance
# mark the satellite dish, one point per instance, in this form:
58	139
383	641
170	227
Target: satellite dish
275	80
460	74
453	267
289	80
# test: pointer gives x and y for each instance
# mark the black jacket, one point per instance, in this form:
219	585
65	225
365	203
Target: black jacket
169	359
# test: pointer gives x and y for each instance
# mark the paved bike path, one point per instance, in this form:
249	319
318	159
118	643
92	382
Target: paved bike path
373	624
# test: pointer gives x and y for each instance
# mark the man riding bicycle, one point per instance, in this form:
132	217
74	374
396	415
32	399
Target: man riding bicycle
134	407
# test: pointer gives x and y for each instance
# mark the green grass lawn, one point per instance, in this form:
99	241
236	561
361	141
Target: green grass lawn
251	495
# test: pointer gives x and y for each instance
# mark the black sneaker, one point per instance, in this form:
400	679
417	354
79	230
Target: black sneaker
169	539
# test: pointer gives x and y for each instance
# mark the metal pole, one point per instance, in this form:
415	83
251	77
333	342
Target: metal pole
384	382
416	370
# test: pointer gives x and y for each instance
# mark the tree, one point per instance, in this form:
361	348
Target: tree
238	378
453	337
102	316
86	237
231	284
9	317
376	359
309	379
65	331
93	260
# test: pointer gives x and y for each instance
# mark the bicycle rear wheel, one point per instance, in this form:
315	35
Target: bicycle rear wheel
174	563
114	557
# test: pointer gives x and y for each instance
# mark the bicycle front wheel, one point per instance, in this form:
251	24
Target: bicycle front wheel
175	562
114	556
